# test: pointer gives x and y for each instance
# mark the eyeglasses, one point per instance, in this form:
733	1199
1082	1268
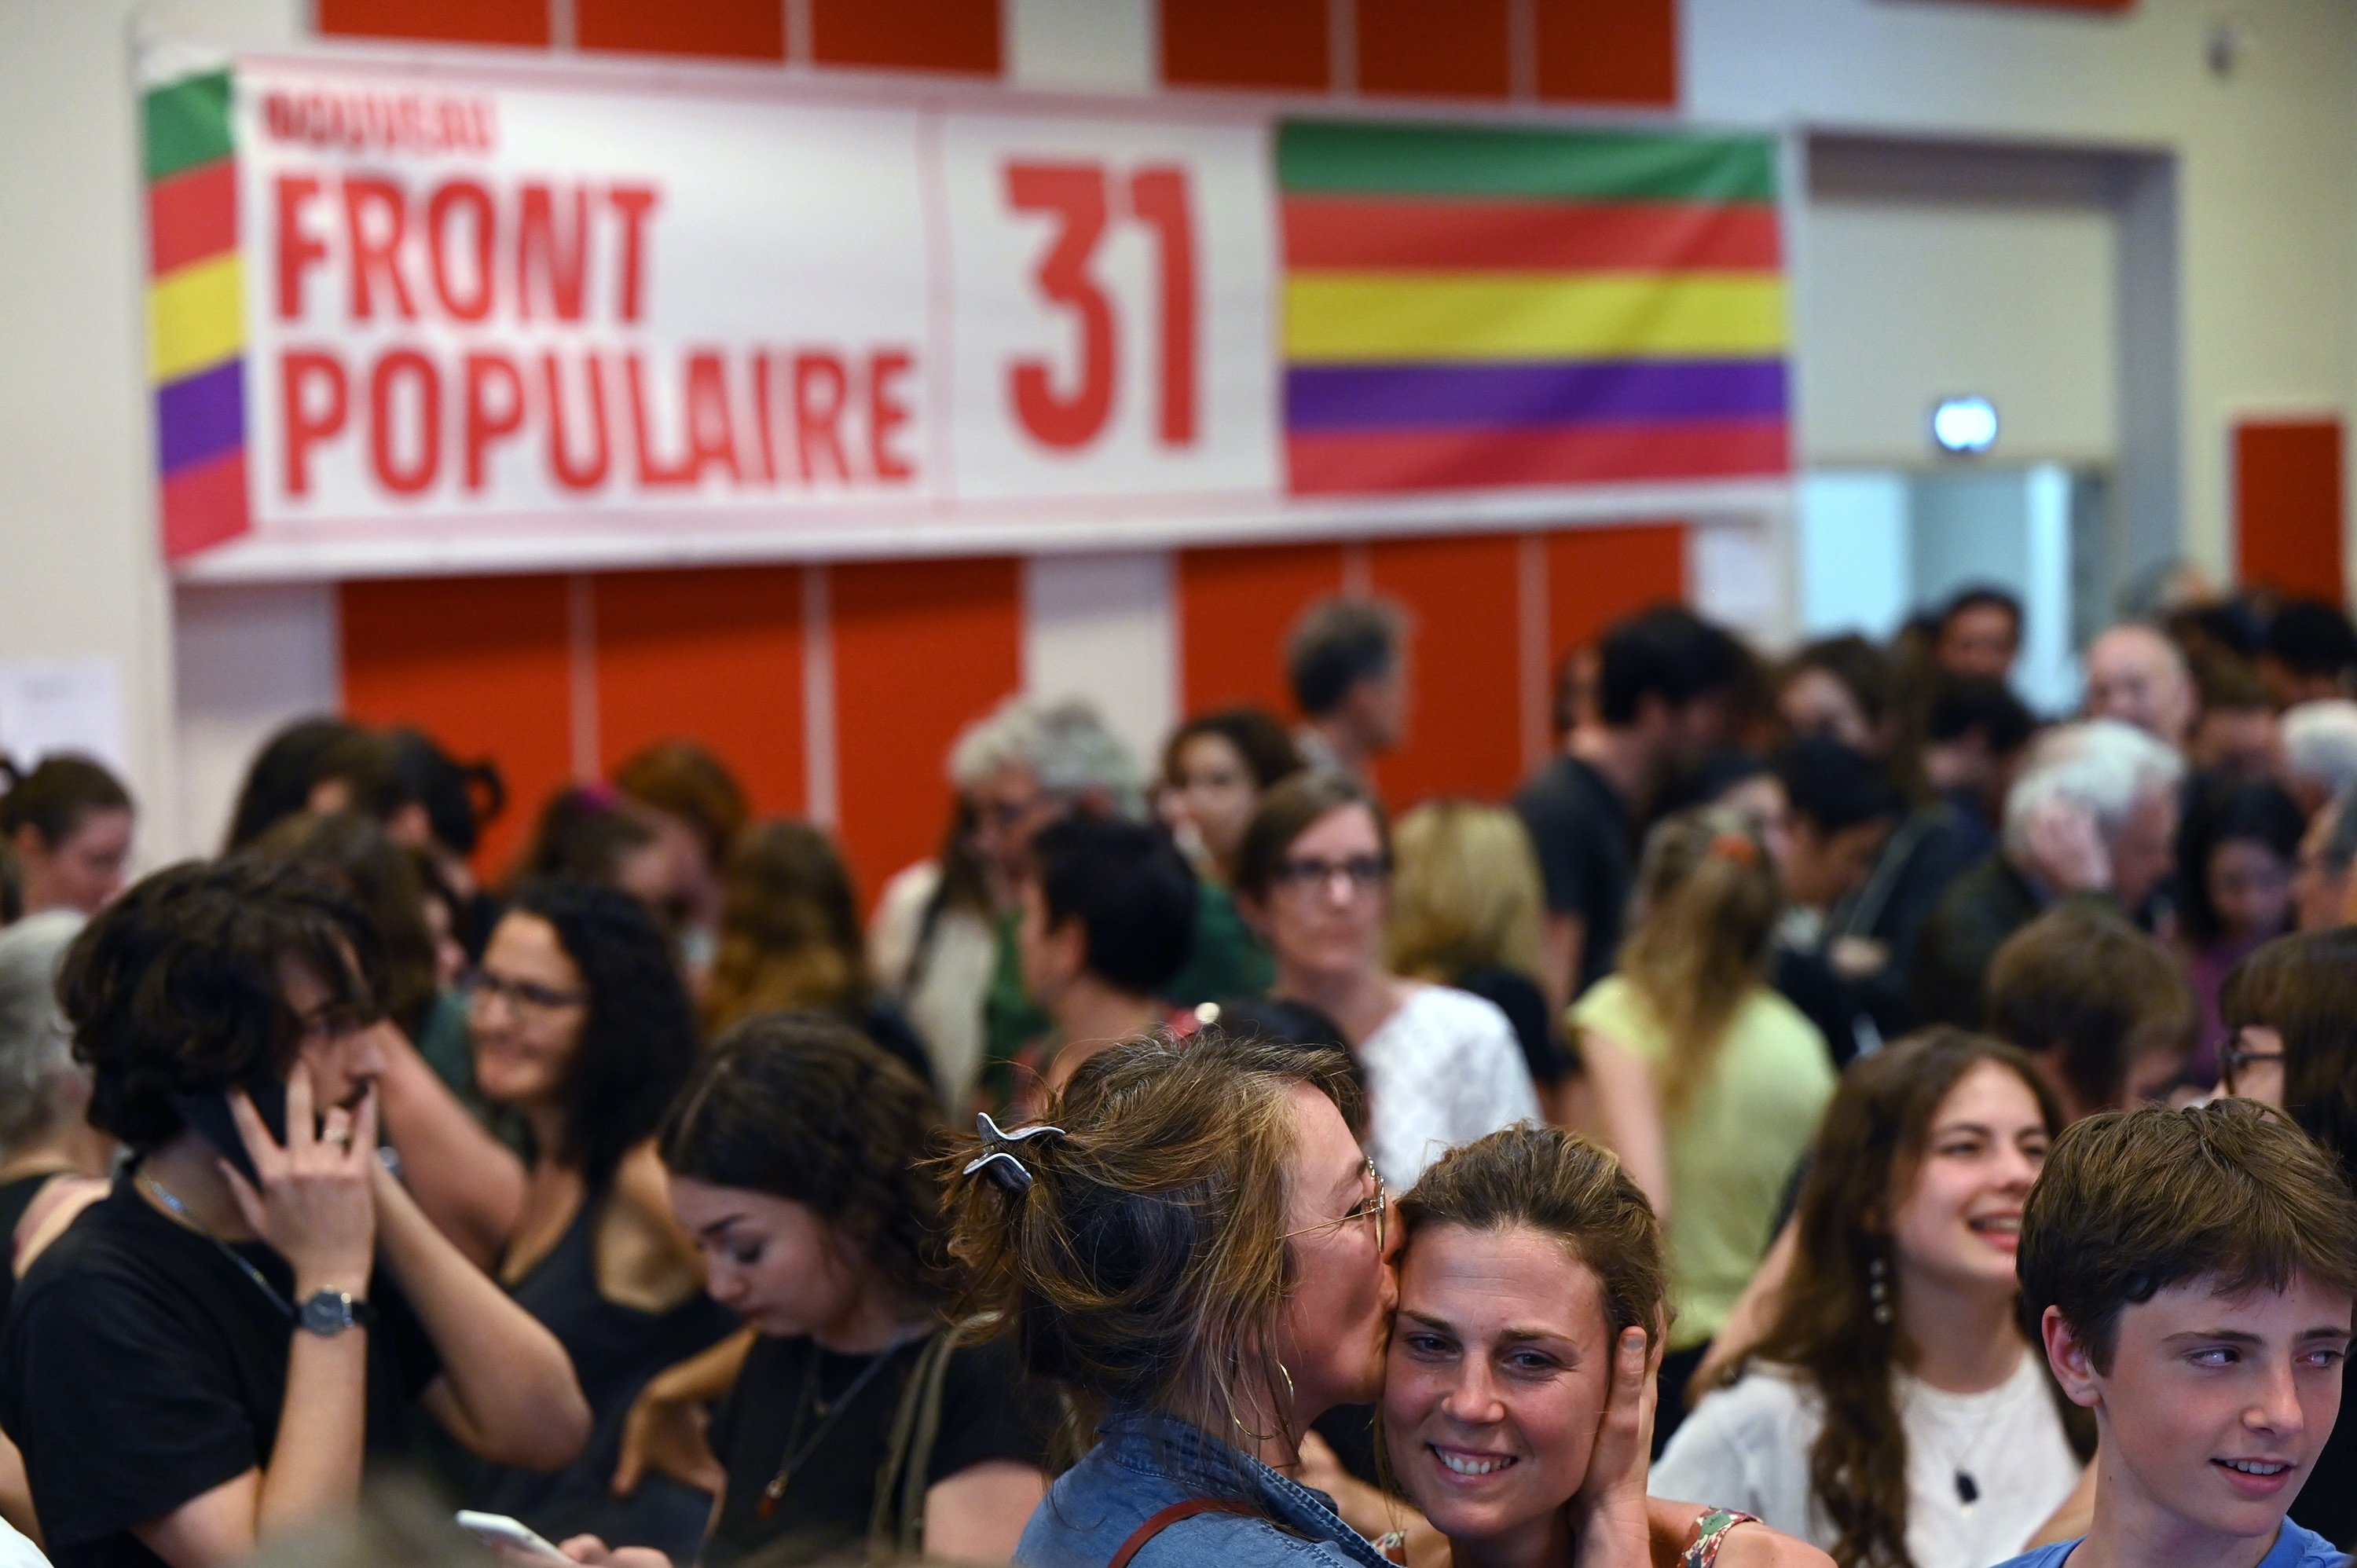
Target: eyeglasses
2234	1058
331	1022
1377	1208
523	995
1309	873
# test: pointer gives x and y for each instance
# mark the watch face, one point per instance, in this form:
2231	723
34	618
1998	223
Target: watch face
329	1311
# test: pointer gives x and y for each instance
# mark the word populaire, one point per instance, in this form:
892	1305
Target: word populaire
518	318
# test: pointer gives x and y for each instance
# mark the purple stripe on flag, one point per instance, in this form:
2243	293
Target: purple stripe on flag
200	416
1463	396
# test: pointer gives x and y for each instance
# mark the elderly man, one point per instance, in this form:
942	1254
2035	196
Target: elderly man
2319	885
2138	676
2093	814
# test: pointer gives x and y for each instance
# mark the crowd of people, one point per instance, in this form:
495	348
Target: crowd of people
1830	1112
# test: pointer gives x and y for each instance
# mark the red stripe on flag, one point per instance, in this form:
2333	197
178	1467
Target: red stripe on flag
1392	460
1348	231
191	215
205	505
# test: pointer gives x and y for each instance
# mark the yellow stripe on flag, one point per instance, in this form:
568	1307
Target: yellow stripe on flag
1346	316
196	318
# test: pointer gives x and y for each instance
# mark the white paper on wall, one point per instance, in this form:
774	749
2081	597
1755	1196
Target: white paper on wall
49	705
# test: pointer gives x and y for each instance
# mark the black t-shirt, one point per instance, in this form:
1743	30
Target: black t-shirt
1580	825
989	1411
140	1368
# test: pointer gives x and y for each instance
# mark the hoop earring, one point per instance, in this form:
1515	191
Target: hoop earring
1878	1291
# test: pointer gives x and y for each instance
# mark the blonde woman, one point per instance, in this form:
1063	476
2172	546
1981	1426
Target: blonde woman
1468	910
1708	1084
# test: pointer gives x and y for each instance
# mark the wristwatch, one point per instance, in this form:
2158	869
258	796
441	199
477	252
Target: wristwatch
328	1313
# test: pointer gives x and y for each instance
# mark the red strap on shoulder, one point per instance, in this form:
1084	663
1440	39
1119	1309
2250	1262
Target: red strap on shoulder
1155	1523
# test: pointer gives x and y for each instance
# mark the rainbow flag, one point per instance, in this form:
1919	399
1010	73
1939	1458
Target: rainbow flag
1492	307
196	312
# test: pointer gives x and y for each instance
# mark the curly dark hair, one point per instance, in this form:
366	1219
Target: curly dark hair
174	988
800	1107
637	1037
351	852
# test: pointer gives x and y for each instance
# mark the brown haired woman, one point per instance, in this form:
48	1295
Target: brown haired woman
1195	1248
790	942
1708	1083
1530	1282
1442	1064
858	1414
1896	1414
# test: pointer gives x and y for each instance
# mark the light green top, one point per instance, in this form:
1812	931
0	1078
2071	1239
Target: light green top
1733	1149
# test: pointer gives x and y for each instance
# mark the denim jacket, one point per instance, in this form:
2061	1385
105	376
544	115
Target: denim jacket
1144	1462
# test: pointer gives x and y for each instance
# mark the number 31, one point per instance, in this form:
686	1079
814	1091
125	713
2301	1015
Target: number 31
1079	197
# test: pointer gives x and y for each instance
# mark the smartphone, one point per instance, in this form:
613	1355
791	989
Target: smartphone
209	1115
512	1534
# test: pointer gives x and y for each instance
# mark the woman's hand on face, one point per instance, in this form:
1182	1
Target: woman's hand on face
1608	1513
588	1549
314	1203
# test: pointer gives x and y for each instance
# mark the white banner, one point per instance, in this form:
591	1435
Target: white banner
495	318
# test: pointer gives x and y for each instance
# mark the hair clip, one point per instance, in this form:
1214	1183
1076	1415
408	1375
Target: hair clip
997	1159
1738	847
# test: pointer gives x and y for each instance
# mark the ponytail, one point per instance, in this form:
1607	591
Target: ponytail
1707	902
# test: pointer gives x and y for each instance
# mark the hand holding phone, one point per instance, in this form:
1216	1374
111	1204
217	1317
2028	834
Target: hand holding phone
312	1198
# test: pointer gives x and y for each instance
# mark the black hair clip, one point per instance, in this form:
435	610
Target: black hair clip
997	1159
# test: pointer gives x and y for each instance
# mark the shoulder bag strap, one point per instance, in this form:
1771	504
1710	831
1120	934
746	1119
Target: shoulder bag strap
1157	1522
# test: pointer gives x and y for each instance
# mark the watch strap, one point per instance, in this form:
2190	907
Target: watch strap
328	1313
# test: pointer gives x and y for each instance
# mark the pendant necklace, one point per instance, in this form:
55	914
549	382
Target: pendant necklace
828	1412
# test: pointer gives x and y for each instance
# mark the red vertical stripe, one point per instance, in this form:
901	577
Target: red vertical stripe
921	649
482	663
1608	51
2289	506
439	21
908	35
1236	607
1463	732
720	29
711	655
1281	44
1455	48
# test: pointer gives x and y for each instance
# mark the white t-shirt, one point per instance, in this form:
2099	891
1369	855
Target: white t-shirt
1442	1070
1748	1448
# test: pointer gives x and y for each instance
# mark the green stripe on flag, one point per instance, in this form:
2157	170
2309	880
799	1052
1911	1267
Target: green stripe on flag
187	124
1333	156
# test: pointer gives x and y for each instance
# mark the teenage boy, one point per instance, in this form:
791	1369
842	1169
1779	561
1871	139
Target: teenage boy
2193	1273
199	1363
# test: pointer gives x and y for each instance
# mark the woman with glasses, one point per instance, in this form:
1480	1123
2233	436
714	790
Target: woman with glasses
582	1027
1442	1066
2290	1011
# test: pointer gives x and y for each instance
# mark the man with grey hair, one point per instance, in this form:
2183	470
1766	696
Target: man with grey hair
2320	750
2093	814
2319	882
1029	764
1346	661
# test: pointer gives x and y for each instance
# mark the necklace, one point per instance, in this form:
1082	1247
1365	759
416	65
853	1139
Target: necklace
179	1211
1968	1486
828	1412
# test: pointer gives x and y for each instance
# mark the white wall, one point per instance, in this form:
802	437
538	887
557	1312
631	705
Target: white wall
1902	303
2267	196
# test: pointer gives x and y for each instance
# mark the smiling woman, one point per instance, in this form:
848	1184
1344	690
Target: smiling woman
1895	1414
